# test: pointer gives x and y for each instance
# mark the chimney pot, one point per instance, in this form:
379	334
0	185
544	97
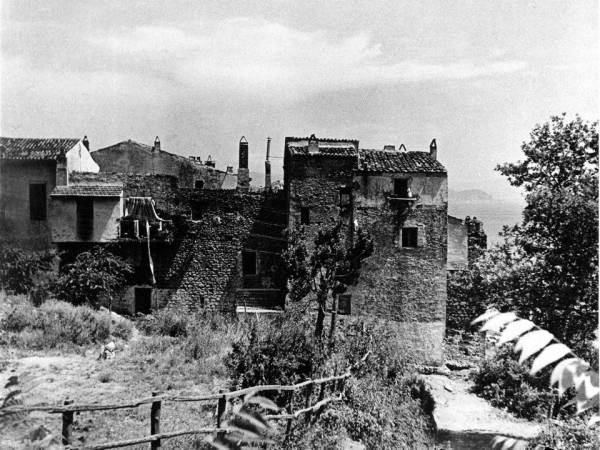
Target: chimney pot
156	144
433	149
313	144
389	147
402	148
86	143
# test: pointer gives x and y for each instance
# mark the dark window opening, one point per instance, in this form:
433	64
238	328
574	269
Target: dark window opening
344	199
37	201
409	237
85	218
345	304
143	300
305	215
249	263
199	184
401	188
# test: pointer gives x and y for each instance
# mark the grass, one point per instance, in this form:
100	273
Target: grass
57	324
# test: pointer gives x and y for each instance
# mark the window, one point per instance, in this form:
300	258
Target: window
305	215
401	188
409	237
345	304
37	201
199	184
85	218
249	262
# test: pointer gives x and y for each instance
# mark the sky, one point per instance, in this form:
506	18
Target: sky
475	75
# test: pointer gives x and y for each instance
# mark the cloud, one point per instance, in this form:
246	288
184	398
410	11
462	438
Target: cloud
247	55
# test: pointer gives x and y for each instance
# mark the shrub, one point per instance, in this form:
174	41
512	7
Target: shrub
281	352
508	384
93	276
570	435
382	414
54	324
20	270
164	322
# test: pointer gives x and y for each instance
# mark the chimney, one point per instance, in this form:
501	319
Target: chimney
209	162
389	147
86	143
268	167
402	148
313	144
433	149
243	178
156	147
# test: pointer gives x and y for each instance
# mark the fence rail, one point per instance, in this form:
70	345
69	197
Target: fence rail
68	409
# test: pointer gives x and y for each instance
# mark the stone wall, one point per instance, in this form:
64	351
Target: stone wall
206	271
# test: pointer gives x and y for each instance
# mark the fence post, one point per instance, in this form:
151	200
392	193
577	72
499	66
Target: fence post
155	421
221	407
67	425
289	399
334	308
309	391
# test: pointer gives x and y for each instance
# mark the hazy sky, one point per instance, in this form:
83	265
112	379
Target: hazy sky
475	75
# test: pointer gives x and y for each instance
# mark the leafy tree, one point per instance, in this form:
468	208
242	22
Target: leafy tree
326	268
20	270
91	276
547	267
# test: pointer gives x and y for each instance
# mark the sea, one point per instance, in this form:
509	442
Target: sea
494	214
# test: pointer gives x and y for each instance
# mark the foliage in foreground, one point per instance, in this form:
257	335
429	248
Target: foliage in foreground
568	371
93	276
57	324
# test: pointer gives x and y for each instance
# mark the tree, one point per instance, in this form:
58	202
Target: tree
547	267
92	275
326	269
20	270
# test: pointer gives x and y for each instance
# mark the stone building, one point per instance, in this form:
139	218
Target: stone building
400	199
134	158
30	169
467	240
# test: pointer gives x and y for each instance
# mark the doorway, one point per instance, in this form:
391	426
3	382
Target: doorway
143	300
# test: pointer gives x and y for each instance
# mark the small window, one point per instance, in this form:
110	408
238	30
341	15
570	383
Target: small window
249	262
199	184
345	304
409	237
344	199
401	188
305	215
37	201
85	218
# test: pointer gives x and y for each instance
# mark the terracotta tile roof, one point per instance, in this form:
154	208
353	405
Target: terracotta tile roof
88	190
28	148
398	161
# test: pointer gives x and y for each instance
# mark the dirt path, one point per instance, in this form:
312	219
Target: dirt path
465	421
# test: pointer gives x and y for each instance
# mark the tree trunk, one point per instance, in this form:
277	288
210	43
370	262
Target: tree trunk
322	301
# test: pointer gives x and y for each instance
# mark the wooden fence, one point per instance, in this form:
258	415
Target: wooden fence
336	383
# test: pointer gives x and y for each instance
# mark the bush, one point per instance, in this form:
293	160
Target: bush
382	414
281	352
164	322
92	277
570	435
56	324
20	270
507	384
